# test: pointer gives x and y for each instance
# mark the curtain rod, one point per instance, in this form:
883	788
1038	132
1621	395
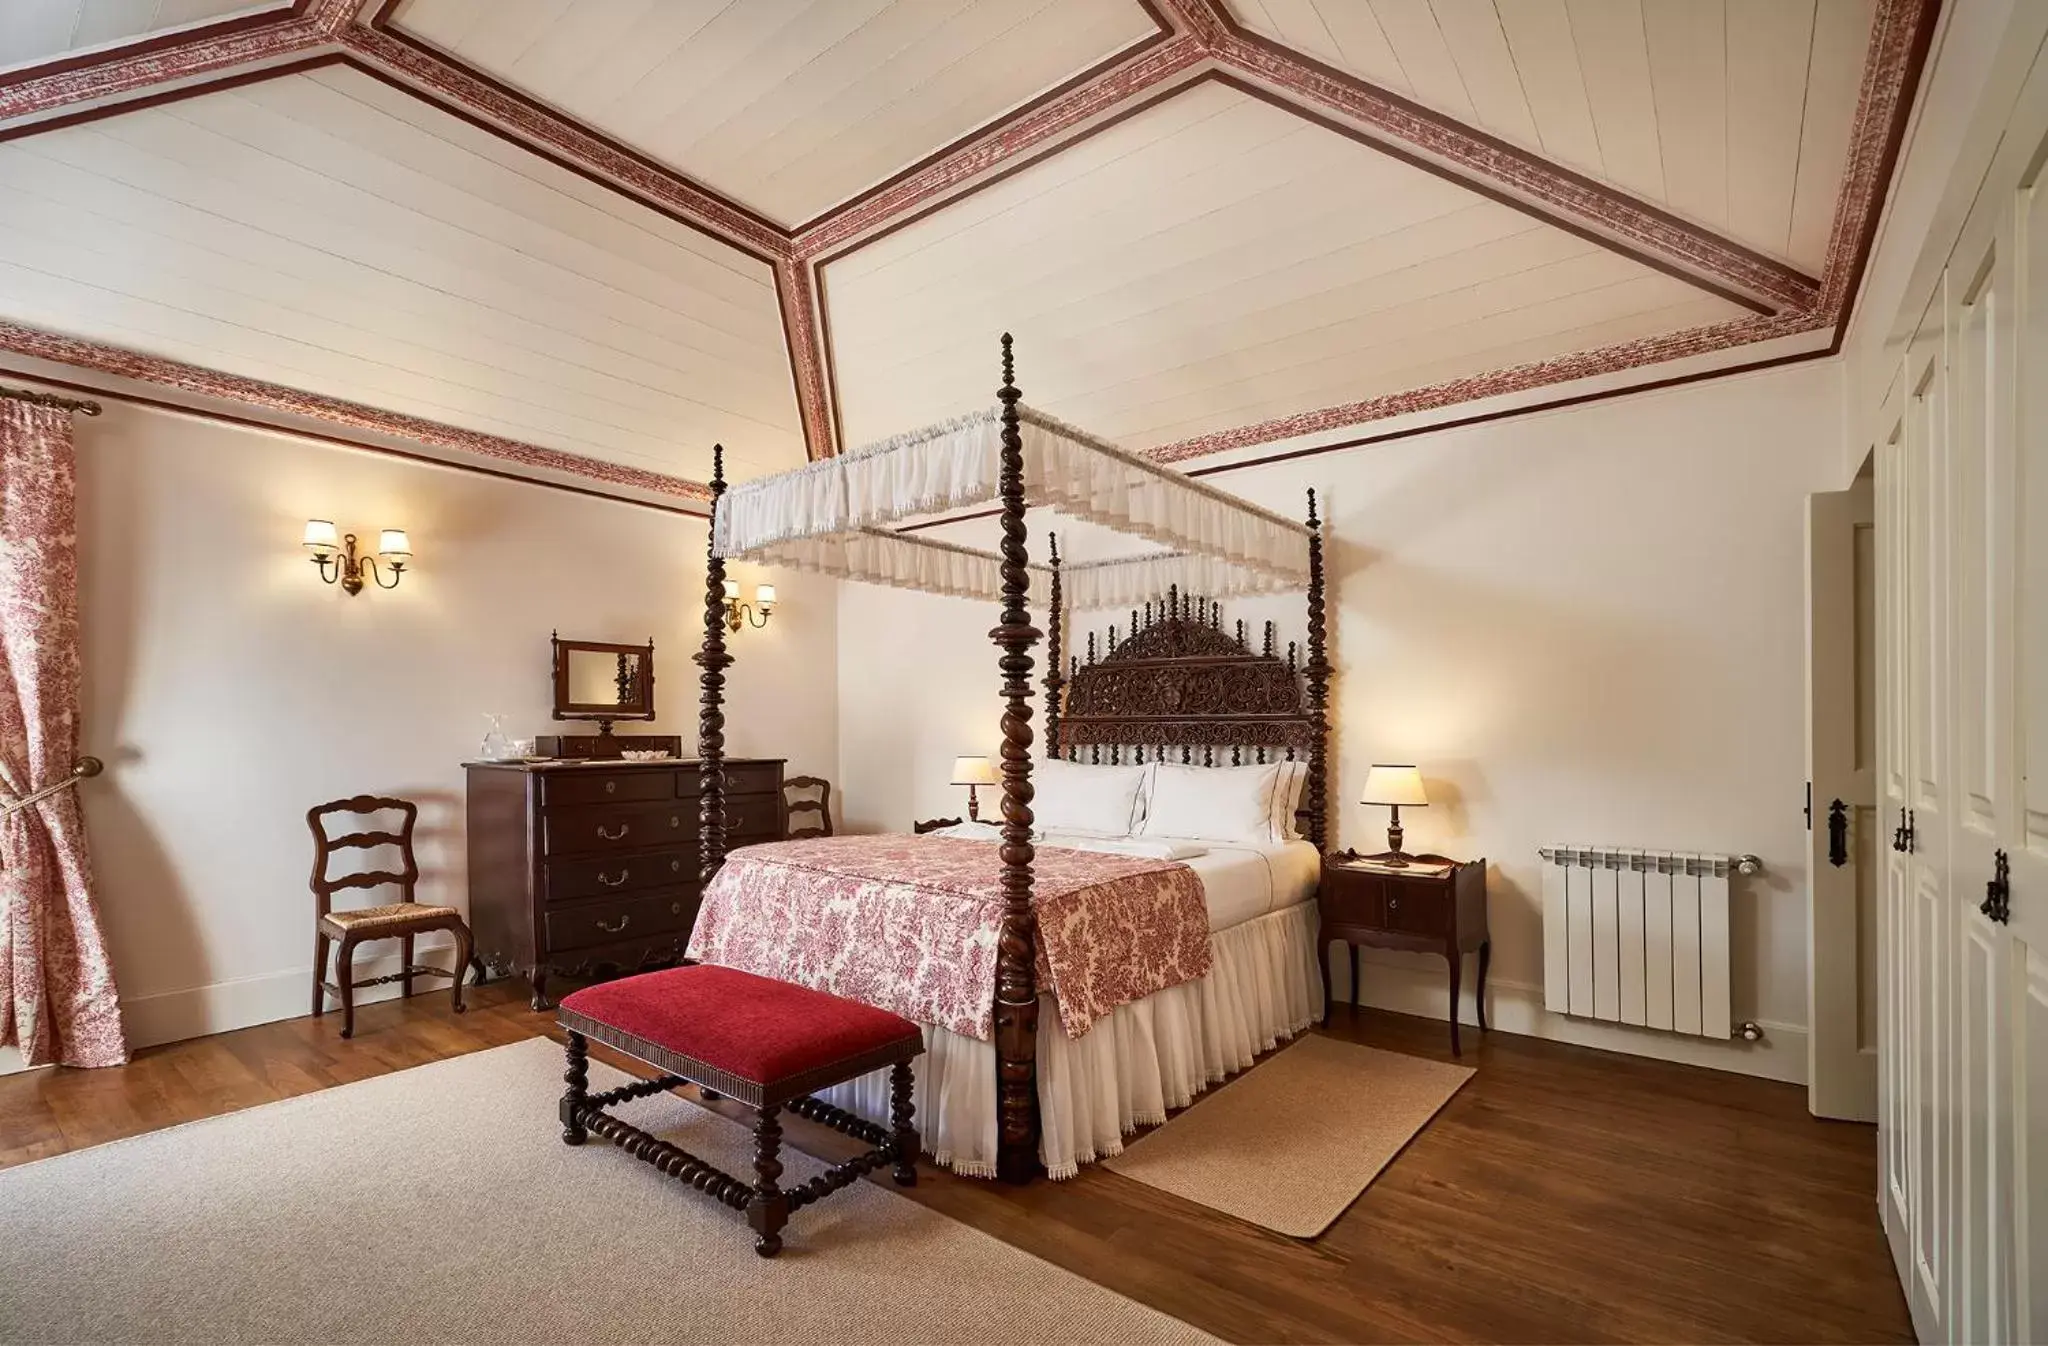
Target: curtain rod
50	400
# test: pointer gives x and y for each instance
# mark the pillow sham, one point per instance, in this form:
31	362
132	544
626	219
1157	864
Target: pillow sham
1287	800
1099	801
1211	803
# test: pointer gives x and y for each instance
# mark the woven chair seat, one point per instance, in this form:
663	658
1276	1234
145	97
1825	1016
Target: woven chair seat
395	919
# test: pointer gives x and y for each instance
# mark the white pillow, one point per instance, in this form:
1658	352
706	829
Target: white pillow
1287	800
1212	803
1100	801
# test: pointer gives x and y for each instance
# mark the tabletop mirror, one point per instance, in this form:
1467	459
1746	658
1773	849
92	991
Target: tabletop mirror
602	681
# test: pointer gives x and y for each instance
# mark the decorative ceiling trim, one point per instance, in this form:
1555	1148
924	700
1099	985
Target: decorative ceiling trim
34	343
1203	33
151	43
1563	197
223	417
124	72
1006	145
427	67
1614	359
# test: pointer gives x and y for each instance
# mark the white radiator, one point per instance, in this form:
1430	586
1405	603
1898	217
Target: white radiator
1638	937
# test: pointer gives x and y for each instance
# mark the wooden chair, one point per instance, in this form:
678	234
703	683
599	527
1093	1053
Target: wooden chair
822	806
400	920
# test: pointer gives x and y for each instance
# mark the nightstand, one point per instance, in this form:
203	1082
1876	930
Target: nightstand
1433	904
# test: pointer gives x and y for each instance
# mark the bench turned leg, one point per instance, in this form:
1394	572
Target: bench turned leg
577	1077
901	1111
769	1209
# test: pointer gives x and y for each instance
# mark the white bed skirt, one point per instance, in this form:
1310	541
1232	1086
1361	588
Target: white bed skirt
1145	1058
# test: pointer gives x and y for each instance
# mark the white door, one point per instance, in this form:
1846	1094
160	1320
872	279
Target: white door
1922	845
1982	517
1842	864
2022	943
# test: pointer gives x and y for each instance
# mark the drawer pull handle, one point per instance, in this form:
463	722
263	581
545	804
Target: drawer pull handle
1393	904
614	836
614	929
675	820
675	908
624	874
675	866
611	787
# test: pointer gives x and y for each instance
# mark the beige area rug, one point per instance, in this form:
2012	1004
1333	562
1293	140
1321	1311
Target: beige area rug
440	1205
1292	1143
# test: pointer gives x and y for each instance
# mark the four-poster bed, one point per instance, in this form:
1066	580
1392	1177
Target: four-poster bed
1179	686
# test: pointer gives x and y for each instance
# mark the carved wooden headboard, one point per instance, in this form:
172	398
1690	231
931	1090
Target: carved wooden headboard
1181	688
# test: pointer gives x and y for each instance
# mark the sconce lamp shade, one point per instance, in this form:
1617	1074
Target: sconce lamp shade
1394	784
732	589
321	535
973	771
393	544
764	594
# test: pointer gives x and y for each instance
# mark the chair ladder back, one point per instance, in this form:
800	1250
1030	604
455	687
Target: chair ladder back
325	846
822	806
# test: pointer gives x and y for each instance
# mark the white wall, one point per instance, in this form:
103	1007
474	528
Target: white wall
228	690
1586	625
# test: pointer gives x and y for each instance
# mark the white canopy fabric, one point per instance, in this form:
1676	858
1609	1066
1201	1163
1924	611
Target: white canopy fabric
829	516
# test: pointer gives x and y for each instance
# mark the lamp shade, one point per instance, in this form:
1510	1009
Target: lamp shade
321	536
732	588
764	594
1394	784
394	544
973	771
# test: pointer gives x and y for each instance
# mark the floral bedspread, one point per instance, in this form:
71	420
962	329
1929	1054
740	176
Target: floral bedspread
910	923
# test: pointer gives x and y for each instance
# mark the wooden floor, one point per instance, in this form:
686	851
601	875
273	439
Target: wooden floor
1563	1195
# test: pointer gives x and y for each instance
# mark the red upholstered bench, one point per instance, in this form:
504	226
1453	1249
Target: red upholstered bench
765	1043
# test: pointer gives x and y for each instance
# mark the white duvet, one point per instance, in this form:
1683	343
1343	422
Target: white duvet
1241	881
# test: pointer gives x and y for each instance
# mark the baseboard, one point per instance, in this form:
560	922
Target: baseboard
223	1006
1517	1007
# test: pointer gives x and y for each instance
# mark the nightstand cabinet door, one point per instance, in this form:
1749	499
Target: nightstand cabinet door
1353	900
1422	908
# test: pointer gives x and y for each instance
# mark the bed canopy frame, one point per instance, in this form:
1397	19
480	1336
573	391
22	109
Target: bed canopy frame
1179	685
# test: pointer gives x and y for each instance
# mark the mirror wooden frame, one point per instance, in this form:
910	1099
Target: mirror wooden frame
604	715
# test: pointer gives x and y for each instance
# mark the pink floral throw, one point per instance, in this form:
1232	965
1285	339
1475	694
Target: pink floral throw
909	924
57	998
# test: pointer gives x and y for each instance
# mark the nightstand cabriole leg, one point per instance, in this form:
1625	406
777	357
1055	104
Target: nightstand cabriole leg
1457	979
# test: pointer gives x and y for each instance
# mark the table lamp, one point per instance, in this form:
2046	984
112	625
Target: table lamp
970	772
1394	785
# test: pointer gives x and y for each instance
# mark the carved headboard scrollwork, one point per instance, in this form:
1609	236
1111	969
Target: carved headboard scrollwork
1180	686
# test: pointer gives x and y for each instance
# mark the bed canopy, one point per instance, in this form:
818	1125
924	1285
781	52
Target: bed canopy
833	517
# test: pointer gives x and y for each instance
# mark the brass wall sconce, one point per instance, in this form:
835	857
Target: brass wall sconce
339	563
755	614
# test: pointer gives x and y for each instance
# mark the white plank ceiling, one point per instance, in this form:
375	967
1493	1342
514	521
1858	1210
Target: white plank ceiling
329	233
1733	113
788	106
1215	261
33	31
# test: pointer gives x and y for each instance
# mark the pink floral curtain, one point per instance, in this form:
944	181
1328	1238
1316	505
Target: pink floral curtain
57	998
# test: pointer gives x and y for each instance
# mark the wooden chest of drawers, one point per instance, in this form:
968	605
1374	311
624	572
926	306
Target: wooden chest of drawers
586	869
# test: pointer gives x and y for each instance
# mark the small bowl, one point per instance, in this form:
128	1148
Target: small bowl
646	754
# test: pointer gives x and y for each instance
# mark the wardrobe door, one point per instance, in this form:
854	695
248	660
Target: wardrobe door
1984	734
2023	952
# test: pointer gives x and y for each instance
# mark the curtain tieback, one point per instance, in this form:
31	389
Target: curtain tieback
87	766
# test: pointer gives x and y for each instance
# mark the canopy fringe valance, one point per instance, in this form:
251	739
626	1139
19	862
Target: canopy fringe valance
829	516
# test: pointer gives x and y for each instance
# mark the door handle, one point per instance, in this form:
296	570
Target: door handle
624	921
1997	904
624	874
1838	834
1900	834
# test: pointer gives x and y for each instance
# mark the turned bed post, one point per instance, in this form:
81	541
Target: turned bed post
1016	1001
1054	680
1318	671
713	659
